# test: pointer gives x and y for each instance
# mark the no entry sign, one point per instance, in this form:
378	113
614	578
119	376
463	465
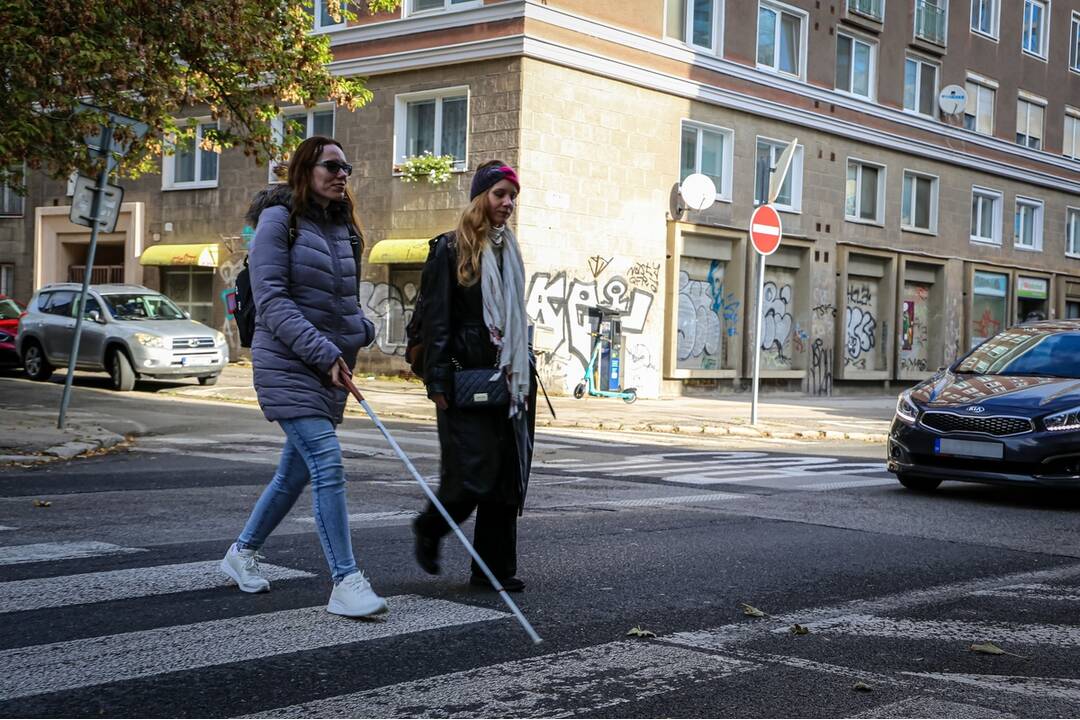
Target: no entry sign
765	230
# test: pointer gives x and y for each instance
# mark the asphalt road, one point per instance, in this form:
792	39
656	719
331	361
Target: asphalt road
112	604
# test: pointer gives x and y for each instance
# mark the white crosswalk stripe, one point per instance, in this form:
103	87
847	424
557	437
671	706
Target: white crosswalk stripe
46	552
82	589
949	630
7	527
111	658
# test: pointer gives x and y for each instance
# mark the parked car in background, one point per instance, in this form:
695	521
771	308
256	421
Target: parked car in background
10	310
1008	412
129	331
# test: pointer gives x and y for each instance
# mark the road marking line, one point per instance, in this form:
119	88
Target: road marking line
48	552
1040	687
1038	591
86	588
930	707
563	684
7	527
670	500
714	479
112	658
847	484
948	630
394	516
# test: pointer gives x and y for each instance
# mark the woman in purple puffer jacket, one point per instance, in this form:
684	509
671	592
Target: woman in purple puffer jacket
308	330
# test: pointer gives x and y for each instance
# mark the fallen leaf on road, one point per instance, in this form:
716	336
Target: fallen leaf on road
752	611
989	648
42	503
798	629
638	631
861	687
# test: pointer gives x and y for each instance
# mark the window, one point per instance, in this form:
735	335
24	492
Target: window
194	162
865	192
984	17
920	86
1028	225
302	123
324	18
11	202
1072	232
58	303
1029	123
855	66
7	279
419	6
986	215
918	209
870	8
790	196
707	149
979	112
1070	145
192	289
435	122
694	22
1034	35
931	20
780	40
1074	43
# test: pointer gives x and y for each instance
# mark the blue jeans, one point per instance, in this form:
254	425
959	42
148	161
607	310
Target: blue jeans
311	451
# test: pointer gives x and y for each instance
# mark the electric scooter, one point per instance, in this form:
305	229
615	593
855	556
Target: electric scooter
588	384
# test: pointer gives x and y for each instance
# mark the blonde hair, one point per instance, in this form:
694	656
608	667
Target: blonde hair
471	237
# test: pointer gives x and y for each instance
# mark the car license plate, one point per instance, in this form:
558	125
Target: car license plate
188	361
969	448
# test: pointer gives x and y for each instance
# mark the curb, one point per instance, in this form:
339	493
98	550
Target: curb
67	450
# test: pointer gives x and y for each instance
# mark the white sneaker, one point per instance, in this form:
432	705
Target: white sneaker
243	567
353	597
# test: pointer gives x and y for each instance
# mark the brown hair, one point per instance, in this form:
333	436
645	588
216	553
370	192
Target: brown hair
472	234
301	168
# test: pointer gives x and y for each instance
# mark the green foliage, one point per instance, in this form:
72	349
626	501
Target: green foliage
155	60
435	169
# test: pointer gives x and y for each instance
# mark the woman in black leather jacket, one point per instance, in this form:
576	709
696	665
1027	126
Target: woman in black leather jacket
474	317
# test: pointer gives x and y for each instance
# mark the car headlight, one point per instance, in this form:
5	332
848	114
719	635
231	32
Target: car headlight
153	341
4	337
219	338
905	409
1068	420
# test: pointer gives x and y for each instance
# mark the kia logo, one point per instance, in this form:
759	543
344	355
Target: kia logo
977	409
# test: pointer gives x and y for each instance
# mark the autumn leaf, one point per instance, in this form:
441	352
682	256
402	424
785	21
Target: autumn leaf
752	611
638	631
798	629
989	648
861	687
42	503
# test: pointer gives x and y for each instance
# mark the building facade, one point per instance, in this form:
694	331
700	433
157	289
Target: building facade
933	198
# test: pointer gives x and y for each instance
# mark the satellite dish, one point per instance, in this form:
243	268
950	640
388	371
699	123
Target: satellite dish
952	99
698	191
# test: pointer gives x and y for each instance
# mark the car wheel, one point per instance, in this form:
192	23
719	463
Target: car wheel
208	380
579	391
918	484
120	371
35	364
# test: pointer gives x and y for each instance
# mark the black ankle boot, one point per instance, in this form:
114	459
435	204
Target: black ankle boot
427	551
510	584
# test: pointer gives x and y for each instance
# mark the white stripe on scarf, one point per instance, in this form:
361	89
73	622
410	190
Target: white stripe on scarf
504	312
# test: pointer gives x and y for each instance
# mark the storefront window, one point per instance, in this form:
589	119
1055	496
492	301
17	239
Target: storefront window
192	289
863	345
915	327
989	301
706	322
1032	299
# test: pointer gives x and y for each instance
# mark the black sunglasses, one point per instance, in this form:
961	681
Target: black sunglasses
334	167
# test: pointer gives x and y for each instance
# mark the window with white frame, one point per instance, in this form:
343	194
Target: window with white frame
985	16
986	215
790	195
435	122
1074	43
864	193
412	7
918	206
707	149
1029	123
11	202
1027	227
979	110
1072	231
694	22
194	161
324	14
920	86
1070	143
780	42
7	279
855	65
1034	35
302	123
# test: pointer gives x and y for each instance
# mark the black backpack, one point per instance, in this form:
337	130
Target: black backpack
245	299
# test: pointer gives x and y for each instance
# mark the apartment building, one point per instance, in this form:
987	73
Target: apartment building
933	199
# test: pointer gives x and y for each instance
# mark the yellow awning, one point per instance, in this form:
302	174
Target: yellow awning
399	251
201	254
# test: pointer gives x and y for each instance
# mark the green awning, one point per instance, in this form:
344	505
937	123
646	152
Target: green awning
389	252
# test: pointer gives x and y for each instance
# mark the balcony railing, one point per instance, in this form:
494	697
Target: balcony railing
869	8
101	274
930	21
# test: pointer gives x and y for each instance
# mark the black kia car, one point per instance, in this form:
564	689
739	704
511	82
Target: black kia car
1008	412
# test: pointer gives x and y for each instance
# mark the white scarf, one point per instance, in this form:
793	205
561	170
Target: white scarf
504	311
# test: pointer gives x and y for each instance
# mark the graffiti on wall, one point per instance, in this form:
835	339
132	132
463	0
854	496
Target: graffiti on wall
821	368
914	328
645	275
228	270
707	315
860	325
782	337
597	264
390	308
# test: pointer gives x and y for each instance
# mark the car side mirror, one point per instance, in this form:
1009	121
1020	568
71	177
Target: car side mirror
95	316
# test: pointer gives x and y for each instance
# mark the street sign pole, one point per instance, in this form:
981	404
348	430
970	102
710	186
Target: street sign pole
766	231
95	210
757	337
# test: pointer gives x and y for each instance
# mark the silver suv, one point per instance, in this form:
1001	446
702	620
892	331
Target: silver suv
128	331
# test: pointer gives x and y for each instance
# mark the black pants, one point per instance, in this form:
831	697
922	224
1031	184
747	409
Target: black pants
494	537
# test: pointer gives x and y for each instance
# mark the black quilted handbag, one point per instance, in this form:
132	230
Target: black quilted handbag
480	388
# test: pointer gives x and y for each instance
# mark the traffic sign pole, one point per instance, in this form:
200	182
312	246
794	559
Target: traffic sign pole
766	231
757	337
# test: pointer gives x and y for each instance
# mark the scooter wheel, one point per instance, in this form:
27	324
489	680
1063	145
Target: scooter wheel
629	395
579	391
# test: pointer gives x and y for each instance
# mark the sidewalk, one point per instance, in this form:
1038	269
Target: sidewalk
31	437
786	416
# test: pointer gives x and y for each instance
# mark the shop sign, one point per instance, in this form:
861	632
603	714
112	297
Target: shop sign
990	284
1037	288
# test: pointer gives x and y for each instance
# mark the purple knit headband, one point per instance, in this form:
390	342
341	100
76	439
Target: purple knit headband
486	178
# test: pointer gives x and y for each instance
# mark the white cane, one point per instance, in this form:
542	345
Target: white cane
442	510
